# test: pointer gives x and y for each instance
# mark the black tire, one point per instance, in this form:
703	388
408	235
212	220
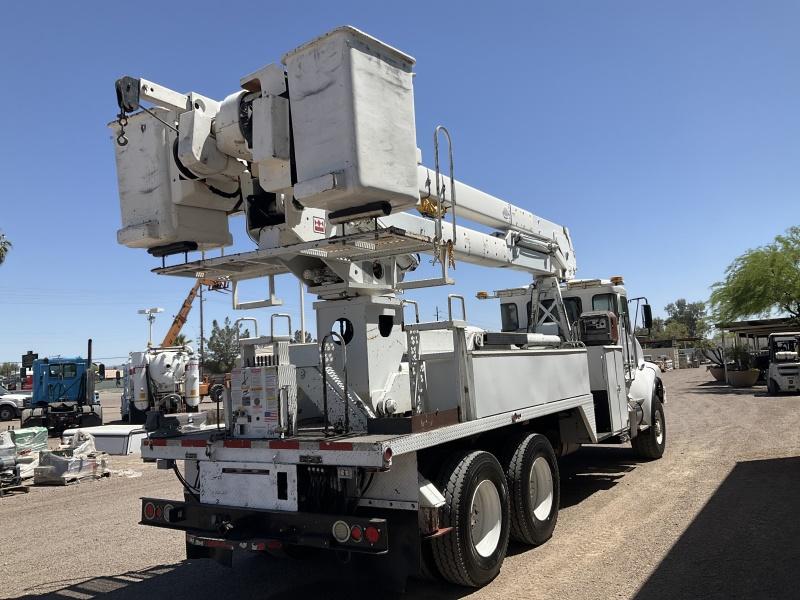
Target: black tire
136	416
457	558
533	517
647	444
216	392
772	388
7	413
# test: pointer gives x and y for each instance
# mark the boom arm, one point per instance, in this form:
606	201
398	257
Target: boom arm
186	307
183	314
313	211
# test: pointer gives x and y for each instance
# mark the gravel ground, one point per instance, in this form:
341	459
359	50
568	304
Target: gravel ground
714	518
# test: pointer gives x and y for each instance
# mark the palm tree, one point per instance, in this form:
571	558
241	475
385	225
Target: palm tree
180	340
5	246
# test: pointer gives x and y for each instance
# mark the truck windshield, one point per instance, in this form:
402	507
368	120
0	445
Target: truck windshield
605	302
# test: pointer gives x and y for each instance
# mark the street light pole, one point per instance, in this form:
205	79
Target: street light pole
150	315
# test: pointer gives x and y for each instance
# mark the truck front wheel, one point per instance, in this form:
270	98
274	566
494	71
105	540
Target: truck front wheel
533	487
650	443
477	508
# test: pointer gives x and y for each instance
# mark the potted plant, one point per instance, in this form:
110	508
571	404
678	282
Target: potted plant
717	366
741	372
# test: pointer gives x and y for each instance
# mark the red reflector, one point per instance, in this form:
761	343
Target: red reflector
217	544
236	443
356	534
149	511
373	534
274	544
159	512
346	446
284	445
193	443
157	442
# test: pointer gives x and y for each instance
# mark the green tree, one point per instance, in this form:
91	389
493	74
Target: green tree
687	318
5	246
761	281
222	346
181	340
7	369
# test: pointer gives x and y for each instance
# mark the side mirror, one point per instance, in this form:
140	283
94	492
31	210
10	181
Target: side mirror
101	371
647	315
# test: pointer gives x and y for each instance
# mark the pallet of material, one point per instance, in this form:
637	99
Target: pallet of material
60	467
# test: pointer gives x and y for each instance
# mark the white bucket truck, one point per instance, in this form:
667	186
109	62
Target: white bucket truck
421	447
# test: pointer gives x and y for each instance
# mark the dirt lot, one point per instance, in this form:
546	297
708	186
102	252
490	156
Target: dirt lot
716	517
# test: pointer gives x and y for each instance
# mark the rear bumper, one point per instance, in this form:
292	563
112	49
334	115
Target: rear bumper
233	528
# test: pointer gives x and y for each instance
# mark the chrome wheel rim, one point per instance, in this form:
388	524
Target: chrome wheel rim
659	428
485	516
540	488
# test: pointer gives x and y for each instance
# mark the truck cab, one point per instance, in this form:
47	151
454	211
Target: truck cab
590	305
63	395
783	374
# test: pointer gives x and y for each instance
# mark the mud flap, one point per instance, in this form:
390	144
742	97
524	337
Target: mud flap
391	571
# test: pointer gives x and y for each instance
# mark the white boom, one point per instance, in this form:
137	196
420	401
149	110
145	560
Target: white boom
187	165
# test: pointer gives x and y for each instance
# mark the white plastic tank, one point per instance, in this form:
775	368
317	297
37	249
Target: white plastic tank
138	380
192	384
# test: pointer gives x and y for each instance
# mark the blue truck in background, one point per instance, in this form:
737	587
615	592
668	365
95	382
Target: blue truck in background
63	394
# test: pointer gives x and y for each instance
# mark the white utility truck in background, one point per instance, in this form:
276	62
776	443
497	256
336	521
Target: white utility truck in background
419	447
783	374
161	378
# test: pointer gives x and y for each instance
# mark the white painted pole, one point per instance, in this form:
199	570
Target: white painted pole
302	312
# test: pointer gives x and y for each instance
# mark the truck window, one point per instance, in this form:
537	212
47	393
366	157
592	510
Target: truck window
55	372
508	315
574	309
547	304
70	370
605	302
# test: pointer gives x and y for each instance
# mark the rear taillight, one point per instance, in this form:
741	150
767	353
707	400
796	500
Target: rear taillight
356	534
373	534
149	511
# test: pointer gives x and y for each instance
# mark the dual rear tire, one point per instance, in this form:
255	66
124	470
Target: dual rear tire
489	501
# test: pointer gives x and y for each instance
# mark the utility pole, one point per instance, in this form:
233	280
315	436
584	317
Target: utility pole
437	313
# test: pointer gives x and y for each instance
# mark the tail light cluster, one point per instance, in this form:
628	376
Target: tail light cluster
155	512
356	534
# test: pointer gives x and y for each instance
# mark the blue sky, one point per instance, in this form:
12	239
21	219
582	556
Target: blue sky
663	134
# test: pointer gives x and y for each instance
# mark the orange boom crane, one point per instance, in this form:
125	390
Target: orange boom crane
186	307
